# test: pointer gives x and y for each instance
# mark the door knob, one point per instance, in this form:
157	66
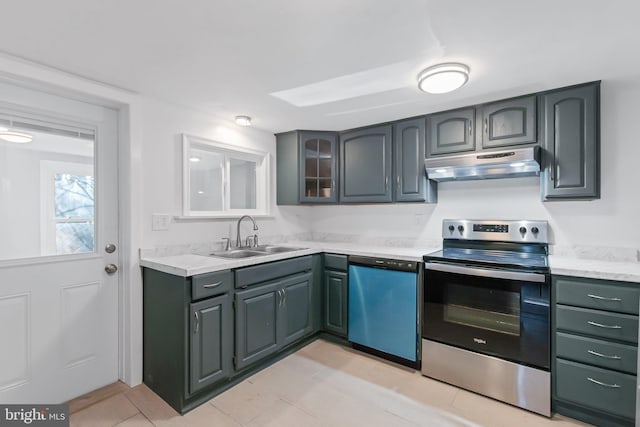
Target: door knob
111	268
110	248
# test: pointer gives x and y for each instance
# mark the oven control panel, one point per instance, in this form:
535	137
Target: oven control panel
524	231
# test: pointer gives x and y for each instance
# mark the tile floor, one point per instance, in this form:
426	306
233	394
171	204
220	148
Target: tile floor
323	384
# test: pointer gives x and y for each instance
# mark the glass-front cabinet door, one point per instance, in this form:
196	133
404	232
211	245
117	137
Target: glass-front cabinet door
318	165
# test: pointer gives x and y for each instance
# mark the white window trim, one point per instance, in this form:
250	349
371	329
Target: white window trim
48	170
263	176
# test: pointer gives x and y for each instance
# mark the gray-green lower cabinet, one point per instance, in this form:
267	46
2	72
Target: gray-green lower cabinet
336	288
270	316
595	350
187	335
211	342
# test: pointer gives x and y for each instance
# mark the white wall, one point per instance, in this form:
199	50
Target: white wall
163	125
610	221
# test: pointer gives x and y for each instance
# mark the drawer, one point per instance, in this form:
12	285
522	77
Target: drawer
598	294
597	388
208	284
335	262
272	270
604	354
598	323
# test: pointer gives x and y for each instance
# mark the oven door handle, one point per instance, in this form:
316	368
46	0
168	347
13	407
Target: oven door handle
486	272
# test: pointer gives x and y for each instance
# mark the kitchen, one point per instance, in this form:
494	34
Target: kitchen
151	146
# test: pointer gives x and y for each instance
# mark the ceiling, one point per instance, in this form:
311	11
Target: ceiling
352	63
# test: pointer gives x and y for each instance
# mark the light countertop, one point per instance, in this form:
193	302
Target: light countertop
596	269
192	264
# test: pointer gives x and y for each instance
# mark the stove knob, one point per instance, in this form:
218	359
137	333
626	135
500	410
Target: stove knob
460	228
534	230
451	228
523	230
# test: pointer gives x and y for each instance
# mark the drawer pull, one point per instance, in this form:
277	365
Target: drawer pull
595	353
600	325
603	384
213	285
603	298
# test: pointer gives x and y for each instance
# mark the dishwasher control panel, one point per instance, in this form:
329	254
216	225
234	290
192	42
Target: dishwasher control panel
389	264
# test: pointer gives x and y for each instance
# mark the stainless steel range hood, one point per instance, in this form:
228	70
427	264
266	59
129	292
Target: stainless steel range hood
485	165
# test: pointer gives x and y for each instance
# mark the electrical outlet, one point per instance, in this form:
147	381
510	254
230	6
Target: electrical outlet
160	222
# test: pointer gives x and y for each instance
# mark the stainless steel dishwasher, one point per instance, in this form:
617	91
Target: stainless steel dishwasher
383	308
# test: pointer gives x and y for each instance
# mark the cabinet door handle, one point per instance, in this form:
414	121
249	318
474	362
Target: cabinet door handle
398	181
284	297
279	297
195	330
486	125
603	384
600	325
212	285
469	127
603	298
386	183
606	356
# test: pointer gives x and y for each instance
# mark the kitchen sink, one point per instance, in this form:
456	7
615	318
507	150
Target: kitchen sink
273	249
238	253
254	251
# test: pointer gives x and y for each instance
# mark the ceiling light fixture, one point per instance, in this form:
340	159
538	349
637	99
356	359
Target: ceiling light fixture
194	159
443	78
243	120
18	137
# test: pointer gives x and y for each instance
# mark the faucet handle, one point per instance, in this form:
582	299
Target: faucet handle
227	243
255	240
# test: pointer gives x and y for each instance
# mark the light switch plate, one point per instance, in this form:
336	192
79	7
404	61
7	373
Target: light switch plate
160	222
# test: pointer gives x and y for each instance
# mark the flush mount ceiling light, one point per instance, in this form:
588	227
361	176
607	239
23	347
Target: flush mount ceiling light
443	78
12	136
194	159
243	120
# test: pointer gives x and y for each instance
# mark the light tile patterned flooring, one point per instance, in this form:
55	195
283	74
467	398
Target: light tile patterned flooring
323	384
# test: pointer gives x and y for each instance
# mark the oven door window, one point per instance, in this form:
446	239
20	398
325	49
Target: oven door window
498	317
491	309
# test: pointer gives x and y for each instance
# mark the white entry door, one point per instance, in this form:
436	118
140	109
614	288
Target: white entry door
58	238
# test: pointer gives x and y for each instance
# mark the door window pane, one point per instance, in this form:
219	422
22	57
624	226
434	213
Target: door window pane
47	190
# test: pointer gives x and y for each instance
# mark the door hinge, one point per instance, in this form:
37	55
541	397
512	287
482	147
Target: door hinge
233	304
235	361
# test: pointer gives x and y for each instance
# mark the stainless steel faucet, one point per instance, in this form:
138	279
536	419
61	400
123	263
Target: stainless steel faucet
255	228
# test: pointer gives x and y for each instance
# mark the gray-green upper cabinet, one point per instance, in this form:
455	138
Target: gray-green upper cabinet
365	165
451	132
306	167
410	181
318	167
510	122
571	132
211	342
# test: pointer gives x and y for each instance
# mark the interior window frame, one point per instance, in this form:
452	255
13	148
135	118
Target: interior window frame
263	175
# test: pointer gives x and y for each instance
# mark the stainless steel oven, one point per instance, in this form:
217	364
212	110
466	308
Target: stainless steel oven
486	311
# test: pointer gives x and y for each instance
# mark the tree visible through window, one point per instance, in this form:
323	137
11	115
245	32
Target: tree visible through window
74	213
